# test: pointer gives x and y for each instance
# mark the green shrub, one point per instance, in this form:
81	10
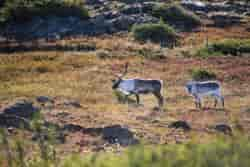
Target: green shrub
202	75
151	54
234	47
23	10
215	154
176	15
207	52
157	33
232	152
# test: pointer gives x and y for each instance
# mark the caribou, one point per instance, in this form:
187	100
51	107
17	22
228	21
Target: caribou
199	89
137	86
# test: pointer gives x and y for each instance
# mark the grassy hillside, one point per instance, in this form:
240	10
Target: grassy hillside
23	11
83	122
220	152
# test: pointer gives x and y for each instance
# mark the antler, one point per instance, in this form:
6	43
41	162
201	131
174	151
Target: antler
125	71
123	74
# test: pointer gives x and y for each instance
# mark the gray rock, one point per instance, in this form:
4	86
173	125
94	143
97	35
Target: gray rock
23	109
94	2
72	103
18	114
180	125
118	134
125	22
194	5
44	99
223	19
224	128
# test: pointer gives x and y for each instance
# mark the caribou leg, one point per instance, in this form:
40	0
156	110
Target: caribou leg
197	102
137	99
215	102
220	98
222	101
159	98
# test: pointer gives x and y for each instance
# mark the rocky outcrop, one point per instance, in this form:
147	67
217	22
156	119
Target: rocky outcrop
109	17
57	28
224	6
18	114
23	109
223	19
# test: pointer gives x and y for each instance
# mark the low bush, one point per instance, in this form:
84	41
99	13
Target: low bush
202	75
157	33
218	153
23	10
234	47
151	54
176	15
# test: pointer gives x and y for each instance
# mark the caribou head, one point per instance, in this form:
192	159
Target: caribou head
116	82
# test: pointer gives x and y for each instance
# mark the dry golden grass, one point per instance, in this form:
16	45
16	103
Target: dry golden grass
87	79
84	77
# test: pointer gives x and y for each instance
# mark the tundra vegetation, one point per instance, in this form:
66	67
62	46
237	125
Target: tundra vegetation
24	11
233	47
220	152
77	103
159	33
202	75
176	15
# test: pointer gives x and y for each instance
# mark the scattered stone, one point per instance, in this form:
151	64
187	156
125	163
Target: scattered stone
44	99
224	128
72	128
223	19
117	134
180	125
14	121
72	103
23	109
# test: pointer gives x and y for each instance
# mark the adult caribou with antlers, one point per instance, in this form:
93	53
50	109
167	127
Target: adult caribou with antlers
137	86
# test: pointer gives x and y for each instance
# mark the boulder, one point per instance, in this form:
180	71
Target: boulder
18	114
145	7
224	128
118	134
194	5
94	2
223	19
124	22
22	109
44	99
180	125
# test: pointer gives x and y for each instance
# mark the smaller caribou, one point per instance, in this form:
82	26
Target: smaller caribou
207	88
137	86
